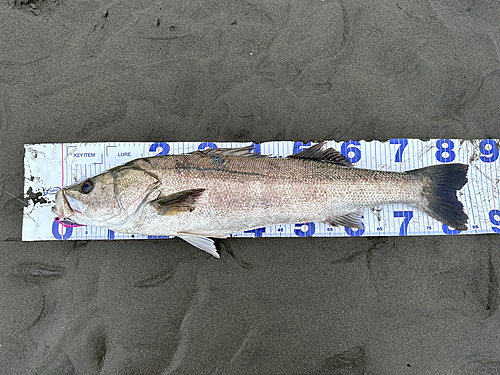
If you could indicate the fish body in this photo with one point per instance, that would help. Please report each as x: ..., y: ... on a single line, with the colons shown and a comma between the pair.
x: 215, y: 192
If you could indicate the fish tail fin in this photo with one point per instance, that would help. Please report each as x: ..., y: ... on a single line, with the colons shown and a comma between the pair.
x: 441, y: 183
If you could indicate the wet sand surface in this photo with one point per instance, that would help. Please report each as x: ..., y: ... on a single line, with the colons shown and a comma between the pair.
x: 85, y: 71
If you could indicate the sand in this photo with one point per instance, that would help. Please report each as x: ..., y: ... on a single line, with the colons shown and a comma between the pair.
x: 84, y: 71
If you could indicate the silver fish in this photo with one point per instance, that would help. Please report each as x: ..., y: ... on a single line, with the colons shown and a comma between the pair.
x: 215, y: 192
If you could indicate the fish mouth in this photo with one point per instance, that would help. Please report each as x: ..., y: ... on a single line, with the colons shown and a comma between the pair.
x: 67, y: 222
x: 75, y: 205
x: 66, y: 207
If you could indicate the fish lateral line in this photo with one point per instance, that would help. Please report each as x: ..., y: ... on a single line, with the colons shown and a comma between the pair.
x: 192, y: 168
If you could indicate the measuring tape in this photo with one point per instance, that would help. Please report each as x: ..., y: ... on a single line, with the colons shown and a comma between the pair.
x: 48, y: 167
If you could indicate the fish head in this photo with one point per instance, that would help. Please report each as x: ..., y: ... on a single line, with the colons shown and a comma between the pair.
x: 112, y: 199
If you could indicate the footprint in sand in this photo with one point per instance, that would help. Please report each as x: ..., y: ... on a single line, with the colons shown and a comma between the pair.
x: 469, y: 291
x: 349, y: 362
x: 479, y: 367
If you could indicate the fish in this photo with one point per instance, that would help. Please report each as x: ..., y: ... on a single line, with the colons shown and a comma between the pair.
x: 211, y: 193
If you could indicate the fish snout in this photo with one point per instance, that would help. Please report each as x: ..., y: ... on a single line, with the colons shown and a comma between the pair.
x: 62, y: 208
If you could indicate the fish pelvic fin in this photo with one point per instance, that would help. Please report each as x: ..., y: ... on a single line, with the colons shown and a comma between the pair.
x: 201, y: 242
x: 350, y: 220
x: 183, y: 201
x: 440, y: 186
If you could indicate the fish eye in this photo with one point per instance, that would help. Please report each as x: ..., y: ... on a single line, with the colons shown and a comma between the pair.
x: 87, y: 186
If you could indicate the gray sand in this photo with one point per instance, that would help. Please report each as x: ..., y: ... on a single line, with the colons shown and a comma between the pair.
x: 82, y: 71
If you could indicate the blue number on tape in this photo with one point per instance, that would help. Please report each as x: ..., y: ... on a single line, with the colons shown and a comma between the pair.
x: 445, y: 153
x: 205, y: 145
x: 402, y: 145
x: 489, y: 149
x: 55, y: 231
x: 301, y: 231
x: 255, y: 148
x: 403, y: 230
x: 447, y: 230
x: 350, y: 151
x: 258, y: 231
x: 355, y: 232
x: 160, y: 148
x: 157, y: 237
x: 495, y: 220
x: 111, y: 234
x: 300, y: 146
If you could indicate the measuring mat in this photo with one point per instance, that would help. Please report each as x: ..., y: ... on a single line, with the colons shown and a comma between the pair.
x: 48, y: 167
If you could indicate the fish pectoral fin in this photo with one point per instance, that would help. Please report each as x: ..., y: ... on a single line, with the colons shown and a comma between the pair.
x: 201, y: 242
x: 350, y: 220
x: 183, y: 201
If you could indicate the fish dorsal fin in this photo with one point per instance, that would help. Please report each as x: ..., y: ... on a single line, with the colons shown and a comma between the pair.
x: 240, y: 151
x: 350, y: 220
x: 183, y: 201
x: 315, y: 152
x: 201, y: 242
x: 328, y: 156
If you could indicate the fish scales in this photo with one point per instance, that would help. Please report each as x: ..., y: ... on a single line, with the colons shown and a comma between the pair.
x: 247, y: 193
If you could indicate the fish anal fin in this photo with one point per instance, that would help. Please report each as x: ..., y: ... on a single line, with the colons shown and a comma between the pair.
x: 350, y: 220
x: 201, y: 242
x: 205, y: 234
x: 329, y: 155
x: 182, y: 201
